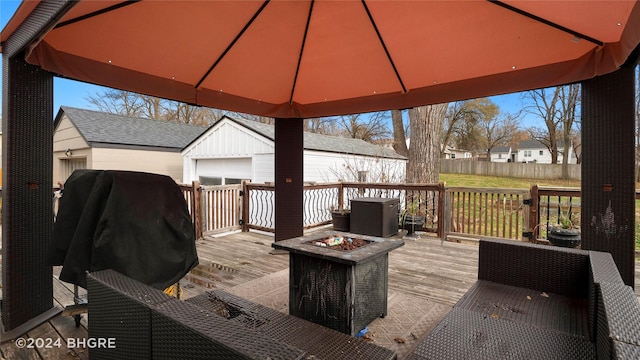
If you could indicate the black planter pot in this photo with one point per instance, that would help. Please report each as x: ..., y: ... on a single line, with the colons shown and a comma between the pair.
x: 341, y: 221
x: 564, y: 237
x: 412, y: 223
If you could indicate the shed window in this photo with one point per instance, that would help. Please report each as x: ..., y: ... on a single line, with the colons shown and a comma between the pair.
x: 206, y: 180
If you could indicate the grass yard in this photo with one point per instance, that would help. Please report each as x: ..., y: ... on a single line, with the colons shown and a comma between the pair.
x: 515, y: 183
x: 501, y: 182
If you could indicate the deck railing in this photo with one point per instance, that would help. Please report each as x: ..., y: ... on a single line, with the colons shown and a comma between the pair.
x: 453, y: 212
x: 548, y: 206
x: 449, y: 212
x: 491, y: 212
x: 319, y: 199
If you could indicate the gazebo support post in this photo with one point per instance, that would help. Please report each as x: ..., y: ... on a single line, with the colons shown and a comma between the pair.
x: 289, y: 148
x: 27, y: 208
x: 608, y: 164
x: 27, y: 162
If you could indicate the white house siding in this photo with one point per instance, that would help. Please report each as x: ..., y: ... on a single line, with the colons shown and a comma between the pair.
x: 500, y: 157
x: 328, y: 167
x: 235, y: 168
x: 263, y: 168
x: 544, y: 158
x: 228, y: 140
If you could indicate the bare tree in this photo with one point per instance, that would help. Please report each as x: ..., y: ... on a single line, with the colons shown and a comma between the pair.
x: 426, y: 124
x: 399, y: 134
x: 497, y: 131
x: 463, y: 124
x: 189, y: 114
x: 117, y: 102
x: 323, y: 125
x: 569, y: 100
x: 546, y: 107
x: 367, y: 127
x: 151, y: 107
x: 459, y: 115
x: 558, y: 108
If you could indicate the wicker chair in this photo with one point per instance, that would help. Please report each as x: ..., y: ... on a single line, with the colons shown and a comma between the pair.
x: 540, y: 302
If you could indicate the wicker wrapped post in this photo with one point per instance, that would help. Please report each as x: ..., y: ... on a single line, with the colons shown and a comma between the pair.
x: 288, y: 178
x: 608, y: 153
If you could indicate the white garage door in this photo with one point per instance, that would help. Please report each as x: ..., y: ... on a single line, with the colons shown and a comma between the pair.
x: 223, y: 171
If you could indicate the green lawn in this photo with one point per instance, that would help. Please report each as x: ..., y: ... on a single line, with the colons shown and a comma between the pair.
x: 516, y: 183
x: 501, y: 182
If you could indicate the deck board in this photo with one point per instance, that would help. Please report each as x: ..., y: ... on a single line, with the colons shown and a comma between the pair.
x: 424, y: 271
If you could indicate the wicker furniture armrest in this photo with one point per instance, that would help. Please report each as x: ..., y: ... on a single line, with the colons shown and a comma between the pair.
x: 120, y: 308
x: 618, y: 321
x: 318, y: 342
x: 185, y: 331
x: 602, y: 269
x: 146, y: 324
x: 561, y: 271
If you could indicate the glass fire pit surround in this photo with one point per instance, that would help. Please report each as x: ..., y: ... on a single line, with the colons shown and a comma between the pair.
x: 344, y: 290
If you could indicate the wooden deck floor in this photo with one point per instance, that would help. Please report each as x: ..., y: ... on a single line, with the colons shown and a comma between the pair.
x: 439, y: 272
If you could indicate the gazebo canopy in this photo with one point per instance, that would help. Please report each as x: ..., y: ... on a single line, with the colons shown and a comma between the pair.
x: 293, y: 59
x: 303, y: 59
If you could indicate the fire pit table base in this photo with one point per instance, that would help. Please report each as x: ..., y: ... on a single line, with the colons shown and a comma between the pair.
x: 342, y: 290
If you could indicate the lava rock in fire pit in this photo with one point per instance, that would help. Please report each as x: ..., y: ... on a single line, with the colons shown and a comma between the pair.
x: 338, y: 242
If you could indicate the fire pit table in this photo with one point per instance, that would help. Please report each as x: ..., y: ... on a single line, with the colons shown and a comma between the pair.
x: 338, y: 279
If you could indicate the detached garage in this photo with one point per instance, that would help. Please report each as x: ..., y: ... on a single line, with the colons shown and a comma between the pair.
x: 88, y: 139
x: 234, y: 149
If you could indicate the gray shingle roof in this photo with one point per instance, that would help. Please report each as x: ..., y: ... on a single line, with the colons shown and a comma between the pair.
x: 103, y: 128
x: 327, y: 143
x: 501, y: 149
x: 530, y: 144
x: 535, y: 144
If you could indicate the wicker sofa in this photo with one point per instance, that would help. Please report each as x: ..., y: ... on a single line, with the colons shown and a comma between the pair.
x: 145, y: 323
x: 539, y: 302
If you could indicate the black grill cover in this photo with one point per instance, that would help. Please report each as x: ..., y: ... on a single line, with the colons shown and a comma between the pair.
x: 135, y: 223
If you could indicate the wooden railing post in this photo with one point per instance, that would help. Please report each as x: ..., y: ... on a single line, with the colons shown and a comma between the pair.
x: 441, y: 207
x: 196, y: 208
x: 244, y: 219
x: 340, y: 196
x: 533, y: 217
x: 447, y: 211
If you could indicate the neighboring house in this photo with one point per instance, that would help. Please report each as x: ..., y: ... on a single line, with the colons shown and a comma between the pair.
x: 233, y: 149
x: 453, y: 153
x: 535, y: 151
x: 88, y: 139
x: 503, y: 154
